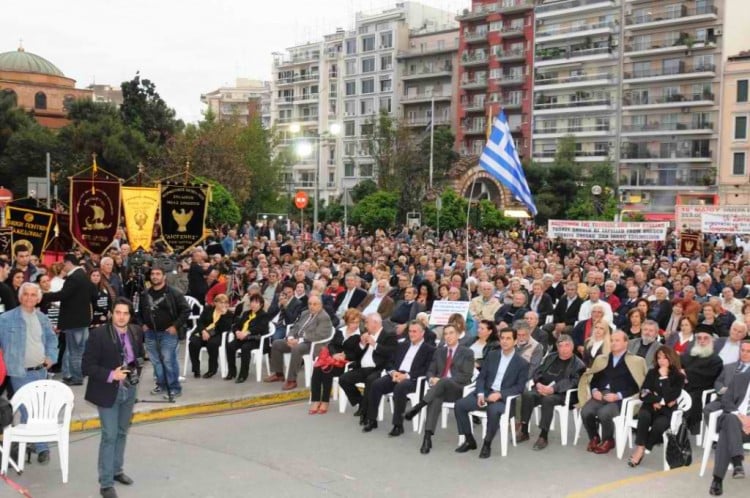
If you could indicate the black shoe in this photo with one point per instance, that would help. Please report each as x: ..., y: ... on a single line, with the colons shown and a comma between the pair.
x: 396, y: 431
x: 485, y: 451
x: 360, y: 412
x: 208, y: 375
x: 43, y: 457
x: 362, y: 419
x: 196, y: 375
x: 72, y: 382
x: 412, y: 413
x: 737, y: 473
x: 716, y: 488
x: 426, y: 444
x: 240, y: 379
x: 468, y: 445
x: 123, y: 479
x: 108, y: 492
x: 370, y: 425
x: 229, y: 376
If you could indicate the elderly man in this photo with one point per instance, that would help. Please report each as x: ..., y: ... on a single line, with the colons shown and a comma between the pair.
x: 725, y: 379
x: 728, y: 348
x: 29, y: 345
x: 660, y: 309
x: 646, y: 345
x: 485, y: 305
x: 352, y: 297
x: 612, y: 378
x: 731, y: 303
x: 539, y: 334
x: 114, y: 280
x: 509, y: 313
x: 313, y: 325
x: 527, y: 347
x: 595, y: 299
x: 558, y: 373
x: 379, y: 302
x: 702, y: 367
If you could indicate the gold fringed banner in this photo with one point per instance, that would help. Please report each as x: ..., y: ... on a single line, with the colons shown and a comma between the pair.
x: 141, y: 204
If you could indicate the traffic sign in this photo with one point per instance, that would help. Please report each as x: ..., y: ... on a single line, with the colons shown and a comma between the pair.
x: 300, y: 199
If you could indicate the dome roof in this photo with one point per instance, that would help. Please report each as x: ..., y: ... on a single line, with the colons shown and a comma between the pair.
x: 25, y: 62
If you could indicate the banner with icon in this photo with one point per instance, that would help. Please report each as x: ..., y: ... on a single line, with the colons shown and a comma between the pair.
x: 690, y: 242
x: 182, y: 211
x: 6, y: 241
x: 140, y: 205
x: 94, y: 211
x: 31, y: 227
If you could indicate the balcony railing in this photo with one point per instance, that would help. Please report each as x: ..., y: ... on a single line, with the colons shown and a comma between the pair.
x: 547, y: 54
x: 477, y: 12
x: 475, y: 36
x: 510, y: 79
x: 656, y: 125
x: 509, y: 54
x: 682, y: 68
x: 476, y: 58
x: 571, y: 4
x: 542, y: 79
x: 574, y: 29
x: 668, y: 14
x: 665, y: 42
x: 426, y: 72
x: 425, y: 120
x: 508, y: 6
x: 426, y: 95
x: 638, y: 99
x: 473, y: 105
x: 509, y: 30
x: 428, y: 50
x: 474, y: 82
x: 297, y: 78
x: 579, y: 154
x: 541, y: 106
x: 677, y: 177
x: 570, y: 129
x: 644, y: 153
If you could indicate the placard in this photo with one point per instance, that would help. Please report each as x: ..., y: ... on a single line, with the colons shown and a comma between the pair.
x: 689, y: 216
x: 725, y: 223
x: 607, y: 230
x: 442, y: 310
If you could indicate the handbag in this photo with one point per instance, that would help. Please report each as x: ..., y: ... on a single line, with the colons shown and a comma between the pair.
x: 326, y: 362
x: 679, y: 452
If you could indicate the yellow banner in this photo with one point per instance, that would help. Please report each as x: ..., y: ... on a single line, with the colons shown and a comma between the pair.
x: 141, y: 204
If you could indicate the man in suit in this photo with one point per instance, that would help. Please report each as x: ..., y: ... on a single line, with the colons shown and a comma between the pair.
x: 734, y: 430
x: 646, y: 345
x: 660, y: 309
x: 404, y: 312
x: 728, y: 348
x: 287, y: 307
x: 379, y: 346
x: 485, y: 305
x: 621, y: 318
x: 595, y: 298
x: 378, y: 302
x: 540, y: 301
x: 509, y: 313
x: 111, y: 361
x: 450, y: 370
x: 410, y: 362
x: 313, y: 325
x: 727, y: 375
x: 612, y: 378
x: 76, y: 308
x: 352, y: 297
x: 566, y: 311
x: 504, y: 374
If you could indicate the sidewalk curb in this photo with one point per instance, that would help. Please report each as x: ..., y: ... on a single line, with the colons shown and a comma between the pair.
x: 200, y: 408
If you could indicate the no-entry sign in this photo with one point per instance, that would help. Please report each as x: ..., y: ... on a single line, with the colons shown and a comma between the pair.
x: 300, y: 199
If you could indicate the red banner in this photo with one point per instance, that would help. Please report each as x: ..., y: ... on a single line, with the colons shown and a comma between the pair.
x: 95, y: 212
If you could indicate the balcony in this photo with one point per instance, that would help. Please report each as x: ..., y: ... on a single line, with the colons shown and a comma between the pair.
x: 473, y: 105
x: 673, y: 177
x: 682, y: 71
x: 298, y: 59
x: 664, y: 125
x: 657, y: 45
x: 474, y: 130
x: 475, y: 36
x: 285, y: 100
x: 511, y: 79
x: 428, y: 72
x: 426, y: 96
x: 513, y: 6
x: 542, y: 107
x: 424, y: 121
x: 515, y: 54
x: 477, y: 12
x: 544, y: 82
x: 571, y: 7
x: 557, y: 55
x: 596, y: 156
x: 474, y: 83
x: 670, y: 15
x: 512, y: 31
x: 298, y: 78
x: 600, y: 28
x: 666, y: 152
x: 549, y: 132
x: 433, y: 49
x: 474, y: 59
x: 307, y: 98
x: 511, y: 104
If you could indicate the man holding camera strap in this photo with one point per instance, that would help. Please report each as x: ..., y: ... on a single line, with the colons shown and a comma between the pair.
x: 111, y: 362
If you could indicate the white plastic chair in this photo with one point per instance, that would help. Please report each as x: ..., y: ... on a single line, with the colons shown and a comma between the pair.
x: 343, y: 400
x: 309, y: 358
x: 196, y: 309
x: 710, y: 437
x: 684, y: 403
x: 707, y: 396
x: 618, y: 421
x: 49, y: 406
x: 507, y: 424
x: 561, y: 411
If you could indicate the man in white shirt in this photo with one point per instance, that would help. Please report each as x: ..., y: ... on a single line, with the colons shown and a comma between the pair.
x: 731, y: 303
x: 594, y: 298
x: 484, y: 306
x: 728, y: 348
x: 351, y: 297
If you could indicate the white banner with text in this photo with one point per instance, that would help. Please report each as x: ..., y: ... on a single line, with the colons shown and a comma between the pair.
x: 607, y: 230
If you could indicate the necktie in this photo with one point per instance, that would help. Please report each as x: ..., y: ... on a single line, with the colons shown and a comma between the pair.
x: 448, y: 363
x: 300, y: 332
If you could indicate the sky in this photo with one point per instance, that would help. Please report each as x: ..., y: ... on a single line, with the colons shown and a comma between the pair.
x: 186, y: 47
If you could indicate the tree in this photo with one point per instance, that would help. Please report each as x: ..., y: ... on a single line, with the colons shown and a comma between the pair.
x: 12, y: 119
x: 375, y: 211
x: 363, y: 189
x: 144, y: 109
x: 265, y: 174
x: 24, y: 155
x: 222, y: 207
x: 443, y: 154
x: 452, y: 213
x: 491, y: 218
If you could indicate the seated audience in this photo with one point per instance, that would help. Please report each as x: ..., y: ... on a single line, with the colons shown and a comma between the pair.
x: 215, y: 320
x: 247, y: 332
x: 701, y: 366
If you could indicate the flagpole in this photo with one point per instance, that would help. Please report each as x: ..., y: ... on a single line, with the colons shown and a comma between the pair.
x: 471, y: 191
x: 432, y: 137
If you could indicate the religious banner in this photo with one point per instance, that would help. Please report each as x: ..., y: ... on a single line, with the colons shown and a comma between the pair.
x: 689, y: 216
x: 95, y: 211
x: 725, y: 223
x: 607, y: 230
x: 6, y: 241
x: 183, y: 210
x: 689, y: 242
x: 140, y: 204
x: 31, y: 226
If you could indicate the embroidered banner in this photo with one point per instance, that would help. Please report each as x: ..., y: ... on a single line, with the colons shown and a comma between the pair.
x: 95, y: 212
x: 182, y: 212
x: 140, y: 205
x: 31, y: 226
x: 689, y: 242
x: 6, y: 241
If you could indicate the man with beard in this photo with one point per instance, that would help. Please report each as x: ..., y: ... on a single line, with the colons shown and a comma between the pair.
x: 646, y: 345
x: 701, y: 366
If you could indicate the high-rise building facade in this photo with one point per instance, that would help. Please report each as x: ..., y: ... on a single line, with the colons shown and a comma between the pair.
x: 243, y: 101
x: 734, y: 172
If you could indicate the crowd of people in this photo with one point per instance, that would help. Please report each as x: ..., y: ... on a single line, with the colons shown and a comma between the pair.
x: 610, y: 320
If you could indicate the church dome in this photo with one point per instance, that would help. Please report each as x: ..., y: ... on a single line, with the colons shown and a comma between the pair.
x: 25, y: 62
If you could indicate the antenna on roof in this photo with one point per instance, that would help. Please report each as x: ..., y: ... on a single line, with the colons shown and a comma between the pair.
x: 20, y: 45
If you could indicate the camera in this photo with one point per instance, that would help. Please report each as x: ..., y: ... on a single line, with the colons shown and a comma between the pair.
x: 132, y: 377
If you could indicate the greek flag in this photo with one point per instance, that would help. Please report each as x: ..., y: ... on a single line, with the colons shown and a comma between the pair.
x: 500, y: 159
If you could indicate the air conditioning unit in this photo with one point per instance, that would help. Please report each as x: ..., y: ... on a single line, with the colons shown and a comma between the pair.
x: 717, y: 32
x: 645, y: 197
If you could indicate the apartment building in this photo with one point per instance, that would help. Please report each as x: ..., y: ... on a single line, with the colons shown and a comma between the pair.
x: 246, y: 99
x: 734, y: 174
x: 495, y: 71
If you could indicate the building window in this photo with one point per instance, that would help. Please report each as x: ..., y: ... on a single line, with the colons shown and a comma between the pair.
x: 740, y: 127
x: 386, y: 40
x: 738, y: 164
x: 368, y: 86
x: 349, y: 128
x: 385, y: 104
x: 742, y: 91
x: 386, y: 63
x: 366, y: 107
x: 350, y: 88
x: 368, y: 43
x: 351, y: 46
x: 350, y: 148
x: 349, y: 169
x: 386, y: 85
x: 351, y: 67
x: 40, y: 101
x: 365, y: 130
x: 368, y: 65
x: 365, y: 170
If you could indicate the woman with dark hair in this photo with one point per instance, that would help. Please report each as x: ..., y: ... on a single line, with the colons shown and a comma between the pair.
x: 482, y: 344
x: 105, y: 296
x: 635, y: 320
x: 215, y: 319
x: 247, y: 332
x: 659, y: 394
x: 14, y: 281
x: 425, y: 295
x: 684, y: 339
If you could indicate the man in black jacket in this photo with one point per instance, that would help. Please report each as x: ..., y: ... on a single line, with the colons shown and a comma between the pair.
x: 111, y: 362
x: 565, y: 314
x: 7, y: 300
x: 76, y: 308
x: 411, y: 361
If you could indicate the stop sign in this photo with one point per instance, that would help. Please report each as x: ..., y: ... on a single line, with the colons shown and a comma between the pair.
x: 300, y: 199
x: 5, y: 196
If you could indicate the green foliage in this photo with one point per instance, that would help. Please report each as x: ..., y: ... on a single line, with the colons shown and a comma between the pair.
x: 491, y: 218
x: 363, y: 189
x: 265, y: 174
x: 24, y: 155
x: 12, y: 119
x: 375, y: 211
x: 452, y: 214
x: 222, y: 208
x: 145, y: 110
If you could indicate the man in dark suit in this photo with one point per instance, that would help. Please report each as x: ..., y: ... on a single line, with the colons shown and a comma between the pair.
x: 404, y: 312
x: 727, y: 375
x: 450, y: 370
x: 379, y: 302
x: 504, y: 374
x: 565, y: 313
x: 646, y: 345
x: 352, y: 297
x: 76, y: 297
x: 111, y: 361
x: 379, y: 346
x: 410, y: 362
x: 287, y: 307
x: 660, y: 309
x: 627, y: 304
x: 509, y: 313
x: 734, y: 430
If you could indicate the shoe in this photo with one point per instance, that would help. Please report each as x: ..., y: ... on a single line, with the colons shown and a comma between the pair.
x: 312, y: 411
x: 396, y: 431
x: 208, y: 375
x: 108, y: 492
x: 155, y: 391
x: 362, y: 419
x: 468, y: 445
x: 229, y: 376
x: 370, y: 425
x: 593, y: 443
x: 412, y: 413
x: 426, y: 444
x: 522, y: 436
x: 486, y: 451
x: 737, y: 473
x: 288, y: 385
x: 174, y: 395
x: 605, y: 447
x: 240, y: 379
x: 716, y: 488
x: 72, y: 382
x: 196, y: 375
x: 123, y: 479
x: 540, y: 444
x: 323, y: 410
x: 43, y: 457
x: 632, y: 463
x: 274, y: 378
x: 359, y: 411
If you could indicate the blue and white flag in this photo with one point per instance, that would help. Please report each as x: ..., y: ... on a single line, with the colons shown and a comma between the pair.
x: 501, y: 160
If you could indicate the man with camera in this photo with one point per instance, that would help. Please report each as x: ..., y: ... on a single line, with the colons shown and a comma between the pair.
x: 111, y: 362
